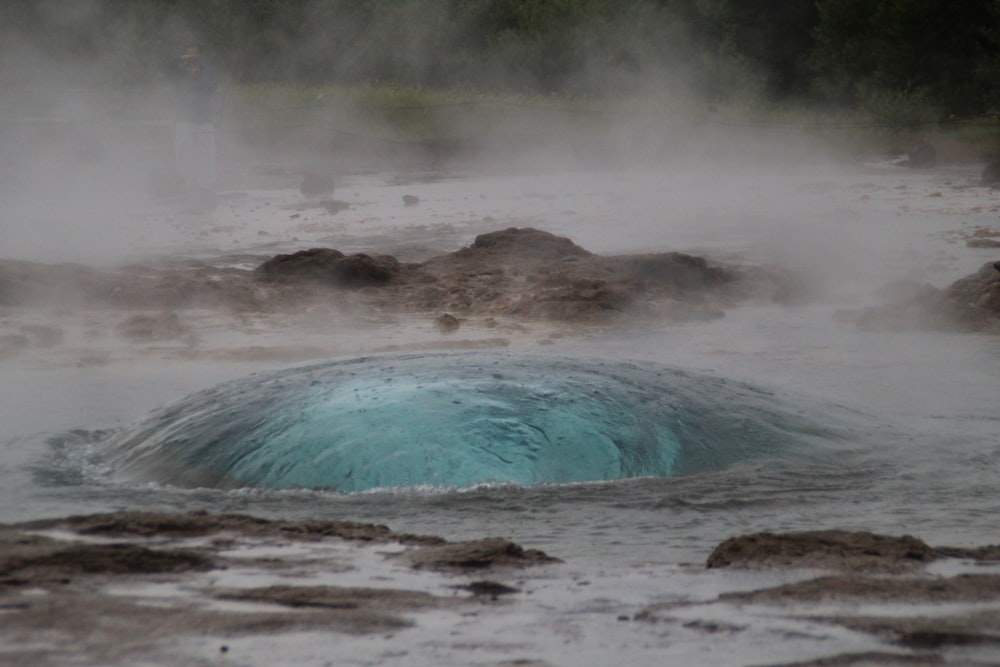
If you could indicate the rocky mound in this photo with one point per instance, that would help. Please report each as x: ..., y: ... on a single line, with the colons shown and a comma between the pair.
x: 523, y: 273
x: 878, y: 585
x: 478, y: 554
x: 520, y: 245
x: 838, y: 550
x: 331, y: 267
x: 534, y: 274
x: 829, y: 549
x: 970, y: 304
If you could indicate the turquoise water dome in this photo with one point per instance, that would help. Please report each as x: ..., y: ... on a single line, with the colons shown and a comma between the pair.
x: 456, y: 420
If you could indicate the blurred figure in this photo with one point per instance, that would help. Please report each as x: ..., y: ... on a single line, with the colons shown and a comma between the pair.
x: 198, y: 111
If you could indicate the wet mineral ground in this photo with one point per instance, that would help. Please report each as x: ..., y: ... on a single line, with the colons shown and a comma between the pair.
x: 123, y: 587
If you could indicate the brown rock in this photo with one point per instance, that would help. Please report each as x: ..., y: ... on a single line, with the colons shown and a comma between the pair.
x: 970, y: 304
x: 360, y: 270
x: 329, y: 266
x: 191, y: 524
x: 677, y: 269
x: 827, y: 549
x: 51, y: 559
x: 933, y: 632
x: 446, y: 323
x: 336, y: 597
x: 528, y: 242
x: 982, y: 243
x: 972, y: 288
x: 871, y: 659
x: 334, y: 206
x: 492, y: 589
x: 533, y: 274
x: 880, y: 589
x: 312, y: 264
x: 525, y: 273
x: 478, y: 554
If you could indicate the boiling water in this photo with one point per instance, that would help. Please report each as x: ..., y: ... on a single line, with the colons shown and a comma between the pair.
x: 460, y: 420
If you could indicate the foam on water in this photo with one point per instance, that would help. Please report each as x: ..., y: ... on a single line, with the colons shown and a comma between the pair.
x: 456, y: 420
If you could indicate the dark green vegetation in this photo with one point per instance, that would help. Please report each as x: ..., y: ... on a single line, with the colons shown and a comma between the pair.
x: 898, y: 59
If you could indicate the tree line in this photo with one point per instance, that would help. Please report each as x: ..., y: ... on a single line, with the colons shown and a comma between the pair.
x: 940, y: 55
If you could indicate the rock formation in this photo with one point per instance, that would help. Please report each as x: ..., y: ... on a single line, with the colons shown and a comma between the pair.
x: 970, y: 304
x: 522, y: 273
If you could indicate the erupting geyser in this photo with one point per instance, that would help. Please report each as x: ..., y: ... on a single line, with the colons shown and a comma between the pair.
x: 453, y: 420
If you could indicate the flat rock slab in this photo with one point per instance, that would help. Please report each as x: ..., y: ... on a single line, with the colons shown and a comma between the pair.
x: 198, y: 524
x: 477, y: 555
x: 824, y: 549
x: 122, y: 587
x: 881, y: 589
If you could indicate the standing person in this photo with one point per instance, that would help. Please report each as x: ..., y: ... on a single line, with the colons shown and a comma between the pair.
x: 198, y: 110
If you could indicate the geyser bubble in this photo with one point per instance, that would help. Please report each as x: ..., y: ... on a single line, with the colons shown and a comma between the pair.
x: 456, y: 420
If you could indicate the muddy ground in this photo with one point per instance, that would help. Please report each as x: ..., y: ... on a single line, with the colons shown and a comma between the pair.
x: 120, y: 587
x: 56, y: 578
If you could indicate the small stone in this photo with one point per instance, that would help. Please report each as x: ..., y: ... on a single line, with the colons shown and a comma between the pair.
x: 490, y: 588
x: 447, y: 323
